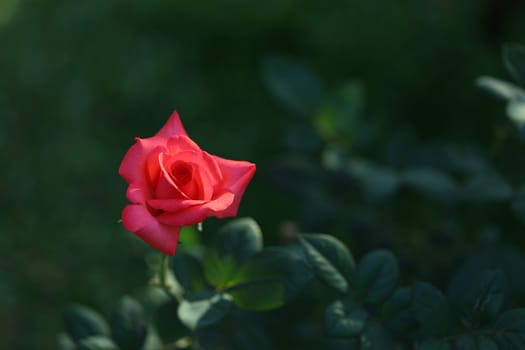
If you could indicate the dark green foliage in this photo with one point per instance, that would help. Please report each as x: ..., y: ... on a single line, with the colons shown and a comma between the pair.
x: 434, y: 344
x: 431, y: 309
x: 204, y: 310
x: 240, y: 238
x: 82, y: 322
x: 64, y: 342
x: 431, y: 182
x: 339, y: 117
x: 128, y: 324
x: 330, y: 259
x: 294, y: 84
x: 514, y: 58
x: 97, y: 343
x: 397, y: 310
x: 258, y: 285
x: 509, y: 330
x: 344, y: 318
x: 434, y: 208
x: 188, y: 271
x: 375, y: 337
x: 376, y: 276
x: 363, y: 307
x: 482, y: 299
x: 487, y: 188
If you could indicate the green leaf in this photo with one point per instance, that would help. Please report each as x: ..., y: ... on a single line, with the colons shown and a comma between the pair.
x: 339, y: 117
x: 500, y: 88
x: 97, y: 342
x: 431, y: 182
x: 518, y: 204
x: 379, y: 183
x: 204, y: 310
x: 469, y: 342
x: 514, y: 58
x: 375, y: 337
x: 153, y: 341
x: 257, y: 285
x: 252, y: 337
x: 151, y: 298
x: 82, y: 322
x: 465, y: 342
x: 330, y: 259
x: 240, y: 238
x: 397, y: 310
x: 516, y: 112
x: 485, y: 343
x: 189, y: 237
x: 219, y: 270
x: 487, y: 187
x: 509, y: 330
x: 290, y: 264
x: 343, y: 318
x: 64, y: 342
x: 434, y: 344
x: 128, y: 324
x: 431, y: 309
x: 483, y: 299
x: 168, y: 324
x: 188, y: 271
x: 376, y: 276
x: 270, y: 278
x: 293, y: 84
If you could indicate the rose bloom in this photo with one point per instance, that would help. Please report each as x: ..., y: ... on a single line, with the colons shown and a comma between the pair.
x: 173, y: 183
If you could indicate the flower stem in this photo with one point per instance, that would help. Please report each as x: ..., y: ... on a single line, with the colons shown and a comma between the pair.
x: 163, y: 272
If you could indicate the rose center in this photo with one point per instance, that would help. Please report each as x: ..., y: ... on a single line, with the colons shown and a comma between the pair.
x: 181, y: 172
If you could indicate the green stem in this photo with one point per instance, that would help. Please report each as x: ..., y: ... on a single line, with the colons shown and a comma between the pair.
x: 163, y: 272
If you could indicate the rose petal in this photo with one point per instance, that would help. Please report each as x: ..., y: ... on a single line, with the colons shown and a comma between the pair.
x: 137, y: 219
x: 173, y: 205
x: 166, y: 188
x: 181, y: 143
x: 132, y: 166
x: 194, y: 215
x: 137, y: 192
x: 172, y: 127
x: 201, y: 185
x: 236, y: 177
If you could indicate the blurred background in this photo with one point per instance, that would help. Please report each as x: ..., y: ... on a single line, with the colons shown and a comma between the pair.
x: 80, y: 79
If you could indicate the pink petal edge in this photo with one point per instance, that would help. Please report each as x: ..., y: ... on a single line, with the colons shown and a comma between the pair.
x: 172, y: 127
x: 137, y: 219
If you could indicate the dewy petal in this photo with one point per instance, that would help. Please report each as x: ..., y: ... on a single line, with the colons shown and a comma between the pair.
x: 172, y: 127
x: 236, y: 177
x: 195, y: 214
x: 137, y: 219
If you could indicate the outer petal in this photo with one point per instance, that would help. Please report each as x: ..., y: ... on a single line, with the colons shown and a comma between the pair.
x: 172, y: 127
x: 132, y: 168
x: 137, y: 219
x: 195, y: 214
x: 236, y: 177
x: 137, y: 193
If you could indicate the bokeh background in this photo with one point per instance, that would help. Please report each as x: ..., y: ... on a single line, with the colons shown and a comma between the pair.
x: 80, y: 79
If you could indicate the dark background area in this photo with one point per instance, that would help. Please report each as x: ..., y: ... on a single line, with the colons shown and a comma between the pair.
x: 80, y: 79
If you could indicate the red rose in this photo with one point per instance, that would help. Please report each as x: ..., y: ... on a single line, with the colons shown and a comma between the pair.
x: 173, y: 183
